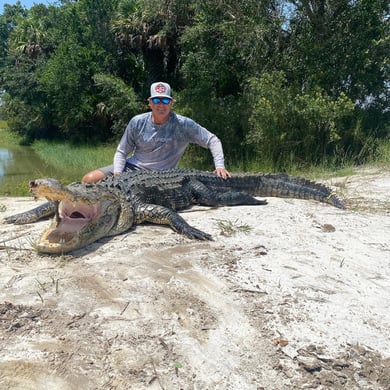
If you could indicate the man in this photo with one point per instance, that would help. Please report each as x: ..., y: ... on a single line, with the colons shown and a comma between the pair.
x: 158, y: 139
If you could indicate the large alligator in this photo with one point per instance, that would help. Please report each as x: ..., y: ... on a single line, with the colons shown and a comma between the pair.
x: 84, y: 213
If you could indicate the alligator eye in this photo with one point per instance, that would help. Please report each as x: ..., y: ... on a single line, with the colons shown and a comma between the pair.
x: 76, y: 214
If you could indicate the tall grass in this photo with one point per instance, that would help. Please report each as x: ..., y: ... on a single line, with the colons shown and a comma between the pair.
x: 74, y: 160
x: 7, y: 137
x: 383, y: 154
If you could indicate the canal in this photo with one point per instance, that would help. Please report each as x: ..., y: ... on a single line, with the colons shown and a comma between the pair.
x: 18, y: 166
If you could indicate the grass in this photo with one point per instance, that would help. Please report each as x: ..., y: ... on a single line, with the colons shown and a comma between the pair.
x: 75, y: 160
x: 7, y: 137
x: 383, y: 157
x: 70, y: 161
x: 230, y: 228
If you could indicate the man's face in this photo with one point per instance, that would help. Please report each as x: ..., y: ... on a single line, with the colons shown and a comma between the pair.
x: 161, y: 107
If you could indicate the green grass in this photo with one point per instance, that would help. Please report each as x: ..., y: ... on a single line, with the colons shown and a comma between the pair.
x: 383, y: 157
x: 7, y: 137
x: 230, y: 228
x: 74, y: 160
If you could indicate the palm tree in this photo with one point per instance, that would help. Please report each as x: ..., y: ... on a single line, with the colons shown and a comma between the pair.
x: 30, y: 38
x: 152, y: 29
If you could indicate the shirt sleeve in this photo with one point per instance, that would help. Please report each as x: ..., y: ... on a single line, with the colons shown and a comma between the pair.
x: 124, y: 148
x: 216, y: 150
x: 207, y: 139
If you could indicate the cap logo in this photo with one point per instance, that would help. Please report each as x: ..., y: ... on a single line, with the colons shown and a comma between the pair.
x: 160, y: 88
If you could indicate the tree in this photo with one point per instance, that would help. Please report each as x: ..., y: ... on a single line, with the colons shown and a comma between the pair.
x: 8, y: 21
x: 228, y: 42
x: 25, y: 51
x: 289, y: 125
x: 152, y: 30
x: 342, y: 46
x: 64, y: 47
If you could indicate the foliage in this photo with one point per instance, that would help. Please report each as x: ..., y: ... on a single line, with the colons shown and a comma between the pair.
x: 118, y: 101
x: 344, y: 46
x: 228, y: 41
x: 285, y: 123
x: 286, y: 82
x: 67, y: 83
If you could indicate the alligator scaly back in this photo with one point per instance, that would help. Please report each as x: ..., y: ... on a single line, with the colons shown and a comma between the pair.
x: 170, y: 186
x: 85, y: 213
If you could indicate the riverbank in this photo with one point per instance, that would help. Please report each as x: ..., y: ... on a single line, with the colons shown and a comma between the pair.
x: 299, y: 300
x: 19, y: 164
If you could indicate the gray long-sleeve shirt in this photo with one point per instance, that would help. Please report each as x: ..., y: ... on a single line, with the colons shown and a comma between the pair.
x: 161, y: 146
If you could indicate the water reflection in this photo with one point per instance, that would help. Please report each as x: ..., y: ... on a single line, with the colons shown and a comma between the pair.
x: 5, y: 157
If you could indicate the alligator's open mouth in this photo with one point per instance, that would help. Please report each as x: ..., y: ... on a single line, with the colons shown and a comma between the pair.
x: 73, y: 216
x: 83, y: 214
x: 71, y: 219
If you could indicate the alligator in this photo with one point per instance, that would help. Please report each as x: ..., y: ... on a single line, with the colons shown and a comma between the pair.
x: 83, y: 213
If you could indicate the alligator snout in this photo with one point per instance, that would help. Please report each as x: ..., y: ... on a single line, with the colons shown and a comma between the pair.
x: 33, y: 187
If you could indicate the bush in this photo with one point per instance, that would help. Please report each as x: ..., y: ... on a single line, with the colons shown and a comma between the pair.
x: 285, y: 123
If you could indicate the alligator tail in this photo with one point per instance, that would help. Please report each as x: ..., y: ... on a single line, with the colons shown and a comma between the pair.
x: 284, y: 186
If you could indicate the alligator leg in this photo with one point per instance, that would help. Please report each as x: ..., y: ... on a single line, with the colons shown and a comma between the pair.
x: 206, y: 197
x: 43, y: 211
x: 163, y: 216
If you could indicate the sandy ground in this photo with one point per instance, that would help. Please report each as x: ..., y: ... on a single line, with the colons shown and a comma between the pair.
x: 292, y: 295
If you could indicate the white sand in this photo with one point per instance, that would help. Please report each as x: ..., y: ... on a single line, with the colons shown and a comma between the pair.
x: 302, y: 300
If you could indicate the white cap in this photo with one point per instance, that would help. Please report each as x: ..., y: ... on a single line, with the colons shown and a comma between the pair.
x: 160, y: 89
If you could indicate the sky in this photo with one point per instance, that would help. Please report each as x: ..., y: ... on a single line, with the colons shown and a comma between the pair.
x: 25, y: 3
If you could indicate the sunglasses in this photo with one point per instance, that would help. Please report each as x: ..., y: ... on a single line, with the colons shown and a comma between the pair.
x: 157, y: 100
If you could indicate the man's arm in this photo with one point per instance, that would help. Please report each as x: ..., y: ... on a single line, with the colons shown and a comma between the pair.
x: 122, y: 151
x: 216, y: 150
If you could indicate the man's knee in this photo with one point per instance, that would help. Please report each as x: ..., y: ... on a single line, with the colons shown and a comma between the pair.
x: 93, y: 176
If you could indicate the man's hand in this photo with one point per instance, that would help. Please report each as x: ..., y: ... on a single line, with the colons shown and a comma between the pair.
x: 222, y: 172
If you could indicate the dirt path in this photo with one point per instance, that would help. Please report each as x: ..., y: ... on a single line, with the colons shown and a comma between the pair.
x: 297, y: 298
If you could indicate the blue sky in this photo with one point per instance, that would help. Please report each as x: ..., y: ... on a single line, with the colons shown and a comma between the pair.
x: 26, y: 3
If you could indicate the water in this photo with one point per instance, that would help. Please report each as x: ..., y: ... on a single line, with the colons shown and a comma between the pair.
x: 18, y: 166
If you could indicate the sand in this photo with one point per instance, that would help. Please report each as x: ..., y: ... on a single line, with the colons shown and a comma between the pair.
x: 291, y: 295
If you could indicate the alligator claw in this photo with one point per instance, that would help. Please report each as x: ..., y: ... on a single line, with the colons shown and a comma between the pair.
x: 196, y: 234
x: 11, y: 219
